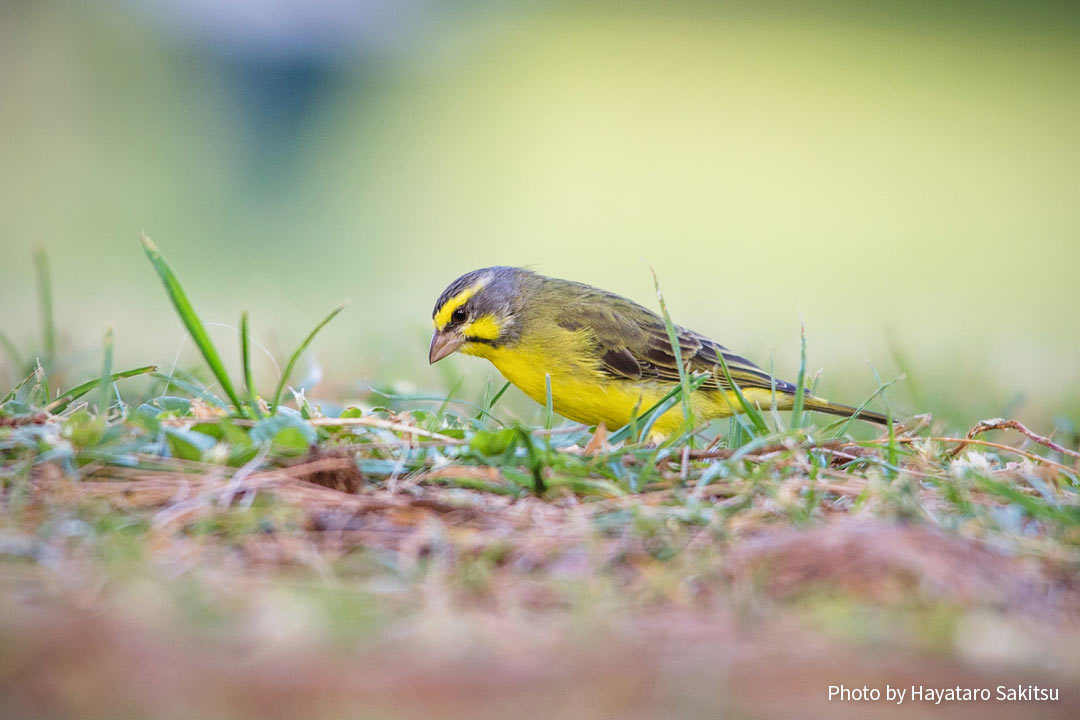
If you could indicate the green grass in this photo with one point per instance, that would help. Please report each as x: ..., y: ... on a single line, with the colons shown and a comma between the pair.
x: 394, y: 501
x: 673, y: 337
x: 627, y: 461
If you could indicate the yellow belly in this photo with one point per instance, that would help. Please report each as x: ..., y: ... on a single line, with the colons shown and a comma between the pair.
x: 583, y: 394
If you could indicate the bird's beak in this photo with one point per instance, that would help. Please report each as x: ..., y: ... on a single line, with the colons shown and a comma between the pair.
x: 444, y: 343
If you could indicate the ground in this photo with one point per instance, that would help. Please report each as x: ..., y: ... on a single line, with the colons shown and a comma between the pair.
x: 172, y: 551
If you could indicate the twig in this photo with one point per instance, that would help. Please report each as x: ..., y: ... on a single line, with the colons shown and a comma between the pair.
x: 997, y: 446
x: 871, y: 459
x: 329, y: 464
x: 725, y: 453
x: 386, y: 425
x: 1003, y: 424
x: 464, y: 472
x: 598, y: 443
x: 39, y: 418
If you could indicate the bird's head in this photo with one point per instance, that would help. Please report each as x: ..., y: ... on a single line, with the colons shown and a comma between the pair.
x: 477, y: 312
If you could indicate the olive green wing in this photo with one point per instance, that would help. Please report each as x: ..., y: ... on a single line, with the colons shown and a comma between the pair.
x: 700, y: 354
x: 632, y: 343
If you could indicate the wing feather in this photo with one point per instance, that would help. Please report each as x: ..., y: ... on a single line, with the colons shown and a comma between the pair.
x: 631, y: 343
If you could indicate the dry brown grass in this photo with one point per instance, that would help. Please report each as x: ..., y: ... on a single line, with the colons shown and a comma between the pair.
x: 460, y: 602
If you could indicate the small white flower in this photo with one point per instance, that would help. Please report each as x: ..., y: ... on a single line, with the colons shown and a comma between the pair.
x: 219, y: 454
x: 972, y: 463
x: 924, y: 448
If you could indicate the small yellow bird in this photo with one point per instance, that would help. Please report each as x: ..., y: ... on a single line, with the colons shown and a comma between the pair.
x: 608, y: 357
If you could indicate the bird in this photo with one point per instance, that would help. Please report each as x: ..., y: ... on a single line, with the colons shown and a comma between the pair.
x: 608, y: 358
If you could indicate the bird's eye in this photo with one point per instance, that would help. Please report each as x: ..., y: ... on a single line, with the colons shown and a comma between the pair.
x: 459, y: 315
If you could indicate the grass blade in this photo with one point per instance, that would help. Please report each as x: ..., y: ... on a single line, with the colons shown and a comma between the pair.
x: 68, y: 397
x: 892, y: 452
x: 631, y: 427
x: 777, y: 420
x: 106, y: 374
x: 191, y: 320
x: 45, y: 300
x: 486, y: 411
x: 446, y: 401
x: 549, y: 405
x: 18, y: 386
x: 300, y: 351
x: 498, y: 395
x: 673, y: 338
x: 751, y: 411
x: 536, y: 462
x: 42, y: 385
x: 862, y: 406
x: 189, y: 386
x: 657, y: 413
x: 245, y: 356
x: 913, y: 386
x: 800, y: 382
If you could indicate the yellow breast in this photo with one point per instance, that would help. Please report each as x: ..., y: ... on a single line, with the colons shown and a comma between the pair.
x: 581, y: 392
x: 578, y: 391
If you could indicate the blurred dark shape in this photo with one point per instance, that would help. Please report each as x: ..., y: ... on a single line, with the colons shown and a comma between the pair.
x: 277, y: 99
x: 280, y: 59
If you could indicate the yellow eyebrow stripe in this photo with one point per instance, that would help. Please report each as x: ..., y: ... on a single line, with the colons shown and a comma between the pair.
x: 442, y: 317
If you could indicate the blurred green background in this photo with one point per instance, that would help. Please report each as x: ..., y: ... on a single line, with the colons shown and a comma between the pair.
x: 903, y: 176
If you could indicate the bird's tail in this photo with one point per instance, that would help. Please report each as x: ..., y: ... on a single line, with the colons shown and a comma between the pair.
x: 824, y: 406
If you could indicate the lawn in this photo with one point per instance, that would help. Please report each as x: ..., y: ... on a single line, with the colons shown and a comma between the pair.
x: 175, y: 543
